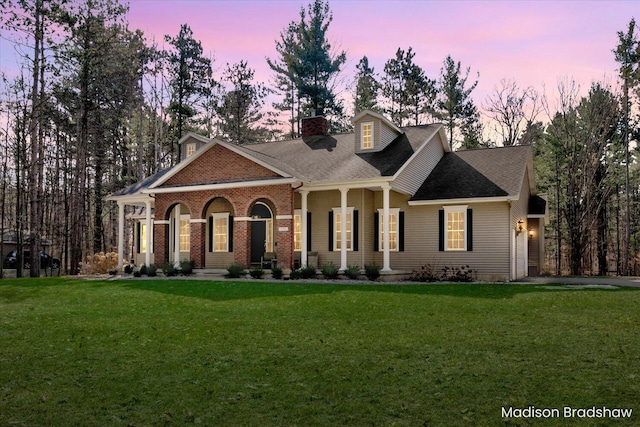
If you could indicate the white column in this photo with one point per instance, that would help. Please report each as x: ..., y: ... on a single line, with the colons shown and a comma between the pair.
x: 343, y: 228
x: 120, y: 235
x: 147, y: 255
x: 385, y: 228
x: 303, y: 249
x: 176, y: 242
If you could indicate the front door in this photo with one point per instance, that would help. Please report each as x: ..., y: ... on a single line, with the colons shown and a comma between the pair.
x: 258, y: 240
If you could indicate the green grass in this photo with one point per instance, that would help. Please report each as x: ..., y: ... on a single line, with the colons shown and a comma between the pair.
x: 175, y: 352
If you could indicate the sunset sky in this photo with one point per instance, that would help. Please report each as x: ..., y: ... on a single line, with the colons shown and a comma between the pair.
x: 531, y: 42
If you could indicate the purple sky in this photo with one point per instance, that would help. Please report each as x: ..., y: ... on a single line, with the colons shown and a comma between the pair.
x: 531, y: 42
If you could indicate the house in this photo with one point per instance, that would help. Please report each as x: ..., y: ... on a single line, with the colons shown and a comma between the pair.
x: 397, y: 197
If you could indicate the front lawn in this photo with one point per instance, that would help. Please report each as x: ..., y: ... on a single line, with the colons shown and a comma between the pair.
x: 160, y: 352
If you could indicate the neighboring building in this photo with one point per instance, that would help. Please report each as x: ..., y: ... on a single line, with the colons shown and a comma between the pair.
x: 382, y: 194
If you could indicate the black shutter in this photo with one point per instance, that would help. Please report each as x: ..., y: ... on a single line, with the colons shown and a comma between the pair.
x: 355, y: 233
x: 376, y: 232
x: 401, y: 231
x: 138, y: 233
x: 330, y: 231
x: 210, y: 234
x: 441, y: 230
x: 470, y: 229
x: 230, y: 233
x: 308, y: 231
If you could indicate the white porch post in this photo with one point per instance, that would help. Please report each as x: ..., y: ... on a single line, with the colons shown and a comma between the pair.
x: 303, y: 249
x: 176, y: 239
x: 120, y: 235
x: 343, y: 228
x: 147, y: 255
x: 385, y: 228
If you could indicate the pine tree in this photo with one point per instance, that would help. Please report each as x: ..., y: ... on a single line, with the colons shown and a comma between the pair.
x: 367, y: 87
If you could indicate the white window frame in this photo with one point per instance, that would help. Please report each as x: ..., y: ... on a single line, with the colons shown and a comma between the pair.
x: 187, y: 245
x: 369, y: 146
x: 143, y: 238
x: 393, y: 212
x: 460, y: 209
x: 191, y: 149
x: 225, y: 217
x: 297, y: 230
x: 336, y: 229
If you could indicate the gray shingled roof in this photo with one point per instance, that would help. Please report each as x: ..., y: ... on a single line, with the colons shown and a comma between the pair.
x: 495, y: 172
x: 136, y: 188
x: 333, y: 157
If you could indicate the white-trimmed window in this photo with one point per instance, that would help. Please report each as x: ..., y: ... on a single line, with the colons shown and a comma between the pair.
x: 297, y: 230
x: 191, y: 148
x: 394, y: 220
x: 185, y: 233
x: 337, y: 229
x: 220, y: 232
x: 366, y: 135
x: 143, y: 238
x: 455, y: 232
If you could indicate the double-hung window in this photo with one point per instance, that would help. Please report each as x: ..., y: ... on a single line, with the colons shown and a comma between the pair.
x: 337, y: 229
x: 394, y: 235
x: 221, y: 232
x: 185, y: 233
x: 456, y: 224
x: 366, y: 136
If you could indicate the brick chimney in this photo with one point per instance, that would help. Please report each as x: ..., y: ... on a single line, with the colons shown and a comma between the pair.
x: 316, y: 125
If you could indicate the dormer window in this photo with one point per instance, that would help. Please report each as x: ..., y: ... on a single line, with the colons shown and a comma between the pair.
x: 366, y: 136
x: 191, y: 148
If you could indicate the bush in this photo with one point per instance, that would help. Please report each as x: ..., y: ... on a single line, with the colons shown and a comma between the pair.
x: 113, y: 271
x: 295, y: 274
x: 235, y: 271
x: 169, y: 269
x: 187, y: 267
x: 426, y: 273
x: 276, y: 273
x: 100, y: 263
x: 308, y: 272
x: 372, y: 271
x: 352, y: 272
x: 462, y: 274
x: 152, y: 270
x: 330, y: 271
x: 143, y: 270
x: 137, y: 273
x: 256, y: 273
x: 128, y: 269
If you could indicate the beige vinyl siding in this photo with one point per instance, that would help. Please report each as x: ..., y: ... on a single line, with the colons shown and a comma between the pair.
x: 415, y: 172
x: 139, y: 259
x: 387, y: 135
x: 319, y: 204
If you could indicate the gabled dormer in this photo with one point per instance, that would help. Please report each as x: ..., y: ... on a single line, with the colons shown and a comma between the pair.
x: 373, y: 132
x: 190, y: 143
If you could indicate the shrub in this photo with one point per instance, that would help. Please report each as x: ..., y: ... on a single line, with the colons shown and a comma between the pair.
x: 352, y: 272
x: 276, y: 273
x: 308, y: 272
x: 372, y: 271
x: 143, y: 270
x: 330, y: 271
x: 169, y: 269
x: 100, y: 263
x: 256, y: 273
x: 295, y: 274
x: 137, y: 273
x: 152, y: 270
x: 113, y: 271
x: 455, y: 274
x: 187, y: 267
x: 128, y: 269
x: 235, y: 271
x: 426, y: 273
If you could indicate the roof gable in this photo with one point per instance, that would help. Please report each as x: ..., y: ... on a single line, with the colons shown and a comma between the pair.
x: 453, y: 178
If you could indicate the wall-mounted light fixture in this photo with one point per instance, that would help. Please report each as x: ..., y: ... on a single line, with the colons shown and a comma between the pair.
x: 531, y: 233
x: 520, y: 226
